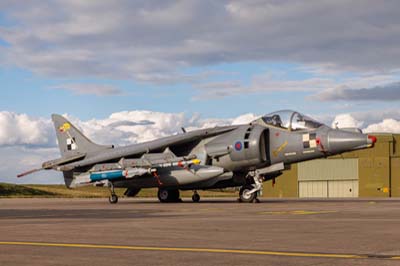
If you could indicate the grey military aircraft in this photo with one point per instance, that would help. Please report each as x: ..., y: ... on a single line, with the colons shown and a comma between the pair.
x: 230, y: 156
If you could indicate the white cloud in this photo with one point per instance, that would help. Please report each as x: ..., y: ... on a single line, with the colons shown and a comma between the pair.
x: 129, y: 127
x: 121, y: 128
x: 20, y: 129
x: 157, y: 42
x: 345, y: 121
x: 25, y: 158
x: 153, y: 41
x: 386, y: 126
x: 244, y: 119
x: 89, y: 88
x: 367, y: 121
x: 366, y: 117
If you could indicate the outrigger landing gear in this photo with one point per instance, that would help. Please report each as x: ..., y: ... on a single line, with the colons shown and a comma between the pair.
x: 249, y: 192
x: 196, y: 196
x: 113, y: 197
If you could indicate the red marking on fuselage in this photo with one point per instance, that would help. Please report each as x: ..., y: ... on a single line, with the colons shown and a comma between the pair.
x: 319, y: 143
x: 238, y: 146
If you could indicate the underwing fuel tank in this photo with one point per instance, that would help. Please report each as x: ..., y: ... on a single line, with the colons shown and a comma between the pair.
x: 196, y: 173
x: 341, y: 141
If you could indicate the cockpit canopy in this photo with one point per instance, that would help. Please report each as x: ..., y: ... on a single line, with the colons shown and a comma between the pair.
x: 290, y: 120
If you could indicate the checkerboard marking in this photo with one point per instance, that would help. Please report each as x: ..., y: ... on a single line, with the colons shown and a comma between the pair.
x: 309, y: 140
x: 71, y: 144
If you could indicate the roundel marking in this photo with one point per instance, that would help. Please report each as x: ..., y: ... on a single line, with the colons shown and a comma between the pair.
x: 238, y: 145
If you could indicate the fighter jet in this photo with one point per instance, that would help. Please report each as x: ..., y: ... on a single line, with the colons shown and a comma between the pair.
x: 221, y: 157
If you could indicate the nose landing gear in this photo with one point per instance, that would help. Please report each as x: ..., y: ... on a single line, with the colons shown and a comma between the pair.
x: 245, y: 194
x: 249, y: 192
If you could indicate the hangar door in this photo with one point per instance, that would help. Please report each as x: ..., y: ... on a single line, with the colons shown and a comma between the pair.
x: 328, y: 178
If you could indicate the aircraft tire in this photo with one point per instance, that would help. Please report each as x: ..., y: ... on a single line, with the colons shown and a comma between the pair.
x: 113, y: 199
x: 175, y: 196
x: 196, y: 197
x: 168, y: 195
x: 246, y: 197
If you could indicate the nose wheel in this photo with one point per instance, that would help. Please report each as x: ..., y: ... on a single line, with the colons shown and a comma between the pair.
x: 249, y: 192
x: 246, y: 194
x: 195, y: 197
x: 113, y: 199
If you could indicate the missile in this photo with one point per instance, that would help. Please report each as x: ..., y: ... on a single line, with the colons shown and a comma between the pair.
x: 180, y: 163
x: 159, y: 163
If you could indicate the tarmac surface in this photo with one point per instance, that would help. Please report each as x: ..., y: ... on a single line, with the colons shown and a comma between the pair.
x: 212, y: 232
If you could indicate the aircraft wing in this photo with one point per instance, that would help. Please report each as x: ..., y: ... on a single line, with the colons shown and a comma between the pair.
x: 135, y: 151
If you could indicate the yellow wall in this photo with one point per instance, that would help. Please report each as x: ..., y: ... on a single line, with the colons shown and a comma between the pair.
x: 395, y: 176
x: 285, y: 185
x: 374, y: 177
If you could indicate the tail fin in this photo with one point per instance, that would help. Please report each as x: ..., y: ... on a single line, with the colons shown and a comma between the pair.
x: 71, y: 141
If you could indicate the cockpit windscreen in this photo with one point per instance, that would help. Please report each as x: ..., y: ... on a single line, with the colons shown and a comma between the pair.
x: 290, y: 120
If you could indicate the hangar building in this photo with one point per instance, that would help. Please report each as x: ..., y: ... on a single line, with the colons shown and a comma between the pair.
x: 372, y: 172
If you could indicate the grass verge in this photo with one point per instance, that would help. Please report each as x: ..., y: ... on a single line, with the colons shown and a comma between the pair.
x: 60, y: 191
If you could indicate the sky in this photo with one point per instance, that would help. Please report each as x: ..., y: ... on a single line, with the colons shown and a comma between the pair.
x: 131, y: 71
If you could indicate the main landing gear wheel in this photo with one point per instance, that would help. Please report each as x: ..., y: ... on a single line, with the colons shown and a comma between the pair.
x: 196, y: 197
x: 168, y: 195
x: 244, y: 194
x: 113, y: 197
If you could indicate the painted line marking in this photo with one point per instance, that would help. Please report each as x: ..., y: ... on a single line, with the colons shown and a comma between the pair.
x: 298, y: 212
x: 280, y: 149
x: 199, y: 250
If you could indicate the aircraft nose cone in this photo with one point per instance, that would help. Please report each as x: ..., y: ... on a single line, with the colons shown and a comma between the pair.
x: 342, y: 141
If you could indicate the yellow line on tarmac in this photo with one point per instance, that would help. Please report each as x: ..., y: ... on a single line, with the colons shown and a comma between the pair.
x: 298, y: 212
x: 200, y: 250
